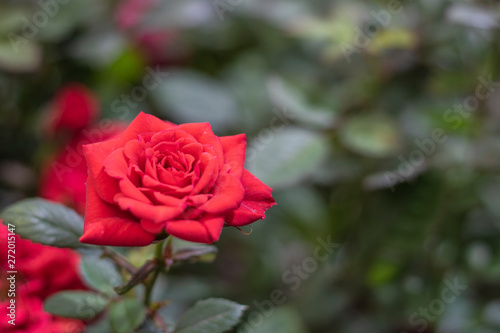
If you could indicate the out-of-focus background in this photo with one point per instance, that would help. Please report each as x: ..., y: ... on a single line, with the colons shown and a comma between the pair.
x: 376, y: 123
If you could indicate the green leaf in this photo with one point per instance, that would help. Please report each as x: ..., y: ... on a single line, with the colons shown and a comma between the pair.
x: 213, y: 315
x: 11, y: 18
x: 388, y: 39
x: 282, y: 320
x: 45, y: 222
x: 18, y: 54
x: 193, y: 97
x: 75, y: 304
x: 284, y: 97
x: 102, y: 325
x: 107, y: 48
x: 100, y: 274
x: 373, y: 136
x: 68, y: 17
x: 126, y: 315
x: 382, y: 272
x: 287, y: 156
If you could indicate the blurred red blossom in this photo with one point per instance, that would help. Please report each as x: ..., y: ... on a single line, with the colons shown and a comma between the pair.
x: 74, y: 107
x: 64, y: 174
x: 41, y: 271
x: 158, y: 45
x: 131, y: 12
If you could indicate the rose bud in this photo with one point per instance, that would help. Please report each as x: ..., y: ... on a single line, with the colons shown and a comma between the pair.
x: 158, y: 177
x: 74, y: 107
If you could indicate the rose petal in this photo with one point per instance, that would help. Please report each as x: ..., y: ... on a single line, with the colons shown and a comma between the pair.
x: 131, y: 191
x: 228, y: 194
x: 167, y: 200
x: 257, y: 200
x: 151, y: 183
x: 166, y: 177
x: 157, y: 214
x: 152, y: 227
x: 207, y: 230
x: 132, y: 150
x: 172, y: 135
x: 193, y: 149
x: 150, y: 169
x: 166, y: 147
x: 96, y: 208
x: 234, y: 152
x: 116, y: 167
x: 144, y: 123
x: 106, y: 224
x: 114, y: 231
x: 95, y: 154
x: 198, y: 199
x: 115, y: 164
x: 203, y: 133
x: 208, y: 174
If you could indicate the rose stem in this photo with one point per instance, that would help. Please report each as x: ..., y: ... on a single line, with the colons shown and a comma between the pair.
x: 119, y: 260
x: 158, y: 320
x: 158, y: 266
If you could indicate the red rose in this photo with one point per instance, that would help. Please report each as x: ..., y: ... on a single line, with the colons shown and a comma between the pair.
x: 74, y: 107
x: 181, y: 179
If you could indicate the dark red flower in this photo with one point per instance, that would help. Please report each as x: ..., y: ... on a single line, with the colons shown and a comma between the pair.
x: 181, y: 179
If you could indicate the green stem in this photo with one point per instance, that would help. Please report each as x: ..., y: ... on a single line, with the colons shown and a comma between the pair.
x: 120, y: 260
x: 149, y: 288
x: 159, y: 264
x: 159, y: 251
x: 138, y: 277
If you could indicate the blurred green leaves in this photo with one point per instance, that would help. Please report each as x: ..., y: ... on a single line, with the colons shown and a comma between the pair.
x: 189, y: 96
x: 290, y: 100
x: 126, y: 315
x: 75, y: 304
x: 282, y: 320
x: 282, y: 158
x: 373, y: 136
x: 18, y: 54
x: 210, y: 316
x: 100, y: 274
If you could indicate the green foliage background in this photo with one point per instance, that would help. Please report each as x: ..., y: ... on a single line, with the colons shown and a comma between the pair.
x: 334, y: 121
